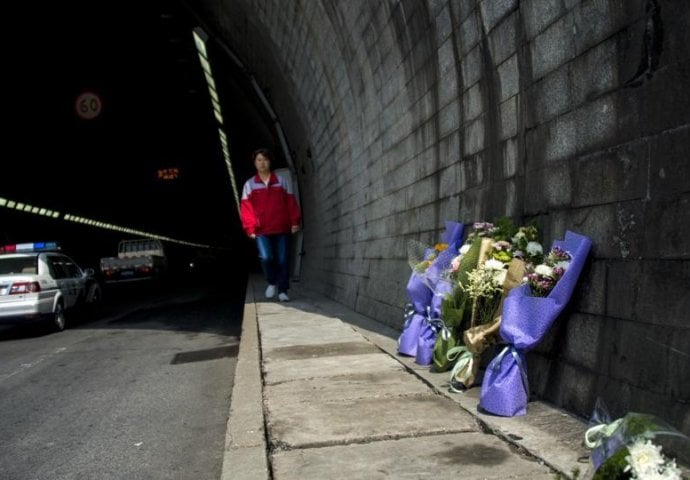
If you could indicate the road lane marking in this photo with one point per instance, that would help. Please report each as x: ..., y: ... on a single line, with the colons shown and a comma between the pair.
x: 25, y: 366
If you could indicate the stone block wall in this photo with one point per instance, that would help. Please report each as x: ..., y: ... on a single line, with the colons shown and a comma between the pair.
x: 573, y: 113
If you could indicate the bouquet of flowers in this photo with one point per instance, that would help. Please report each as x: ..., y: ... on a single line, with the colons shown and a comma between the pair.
x: 421, y: 320
x: 501, y: 254
x: 528, y: 312
x: 631, y: 447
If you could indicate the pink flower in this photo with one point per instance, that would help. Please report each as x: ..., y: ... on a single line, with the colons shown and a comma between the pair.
x: 455, y: 263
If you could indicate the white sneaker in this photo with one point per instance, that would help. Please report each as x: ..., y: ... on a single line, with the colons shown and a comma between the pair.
x: 270, y: 291
x: 282, y: 296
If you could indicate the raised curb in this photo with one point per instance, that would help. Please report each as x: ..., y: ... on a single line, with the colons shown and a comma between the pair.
x: 245, y: 456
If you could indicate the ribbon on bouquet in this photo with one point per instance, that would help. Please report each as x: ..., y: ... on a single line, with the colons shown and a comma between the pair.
x: 439, y: 326
x: 496, y: 364
x: 464, y: 368
x: 408, y: 313
x: 596, y: 435
x: 409, y: 338
x: 467, y: 357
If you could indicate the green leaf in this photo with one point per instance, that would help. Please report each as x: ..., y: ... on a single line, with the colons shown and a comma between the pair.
x: 612, y: 469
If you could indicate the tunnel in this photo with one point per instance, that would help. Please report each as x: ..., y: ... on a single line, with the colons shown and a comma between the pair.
x: 393, y: 117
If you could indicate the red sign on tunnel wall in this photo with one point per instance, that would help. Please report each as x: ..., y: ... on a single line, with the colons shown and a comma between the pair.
x: 167, y: 173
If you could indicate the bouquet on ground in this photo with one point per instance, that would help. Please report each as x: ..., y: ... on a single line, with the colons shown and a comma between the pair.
x: 427, y: 263
x: 528, y: 312
x: 453, y: 306
x: 636, y: 446
x: 493, y: 265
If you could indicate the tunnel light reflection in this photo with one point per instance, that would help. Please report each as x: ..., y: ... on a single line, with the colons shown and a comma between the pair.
x: 213, y: 94
x: 200, y: 40
x: 210, y: 81
x: 205, y: 65
x: 67, y: 217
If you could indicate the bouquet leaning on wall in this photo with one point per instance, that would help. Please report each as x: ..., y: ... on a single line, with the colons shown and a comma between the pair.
x: 433, y: 326
x: 427, y: 264
x: 454, y: 309
x: 528, y: 312
x: 456, y: 306
x: 494, y: 264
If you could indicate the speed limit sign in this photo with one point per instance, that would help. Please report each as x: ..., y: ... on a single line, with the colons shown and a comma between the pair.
x: 88, y: 105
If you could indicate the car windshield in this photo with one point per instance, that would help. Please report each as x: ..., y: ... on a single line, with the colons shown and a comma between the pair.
x: 18, y: 265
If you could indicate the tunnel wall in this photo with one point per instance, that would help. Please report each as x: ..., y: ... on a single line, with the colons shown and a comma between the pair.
x: 404, y: 114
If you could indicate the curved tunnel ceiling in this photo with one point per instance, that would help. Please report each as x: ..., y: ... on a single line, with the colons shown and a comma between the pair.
x: 156, y: 114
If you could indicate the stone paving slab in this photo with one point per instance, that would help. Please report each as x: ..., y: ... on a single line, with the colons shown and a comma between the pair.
x: 466, y: 456
x: 355, y: 385
x: 283, y: 371
x: 296, y: 424
x: 546, y: 432
x: 293, y: 332
x: 295, y: 352
x: 276, y: 311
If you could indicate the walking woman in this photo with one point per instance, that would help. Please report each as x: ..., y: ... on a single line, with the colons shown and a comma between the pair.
x: 270, y: 214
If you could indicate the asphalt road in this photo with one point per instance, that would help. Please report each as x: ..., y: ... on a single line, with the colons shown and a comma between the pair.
x: 141, y: 393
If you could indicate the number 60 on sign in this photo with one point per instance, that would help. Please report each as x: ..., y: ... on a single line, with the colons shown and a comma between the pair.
x: 88, y: 105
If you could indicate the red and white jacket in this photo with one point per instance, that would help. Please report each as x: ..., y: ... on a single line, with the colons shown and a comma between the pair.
x: 268, y: 209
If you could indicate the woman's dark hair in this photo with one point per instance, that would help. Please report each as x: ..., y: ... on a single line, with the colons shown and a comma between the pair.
x: 262, y: 151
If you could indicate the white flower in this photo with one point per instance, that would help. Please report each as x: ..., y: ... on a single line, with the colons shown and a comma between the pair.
x: 493, y: 264
x: 455, y: 263
x: 482, y: 282
x: 645, y: 458
x: 534, y: 248
x: 500, y: 276
x: 543, y: 270
x: 671, y: 471
x: 518, y: 236
x: 464, y: 249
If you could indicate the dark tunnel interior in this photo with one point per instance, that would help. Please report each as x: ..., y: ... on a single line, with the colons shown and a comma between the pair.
x: 156, y: 114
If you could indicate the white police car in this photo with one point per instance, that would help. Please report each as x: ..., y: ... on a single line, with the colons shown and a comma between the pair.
x: 37, y: 282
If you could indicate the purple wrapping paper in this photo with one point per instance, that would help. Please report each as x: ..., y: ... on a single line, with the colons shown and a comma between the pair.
x: 425, y: 344
x: 407, y: 342
x: 421, y: 295
x: 443, y: 287
x: 524, y: 322
x: 453, y: 233
x: 506, y: 379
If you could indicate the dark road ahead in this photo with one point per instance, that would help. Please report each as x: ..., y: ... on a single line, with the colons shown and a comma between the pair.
x: 142, y: 393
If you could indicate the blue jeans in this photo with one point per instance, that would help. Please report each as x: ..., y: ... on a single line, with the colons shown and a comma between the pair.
x: 274, y: 258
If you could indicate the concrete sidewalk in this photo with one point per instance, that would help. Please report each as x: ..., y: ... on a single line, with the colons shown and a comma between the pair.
x: 321, y: 392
